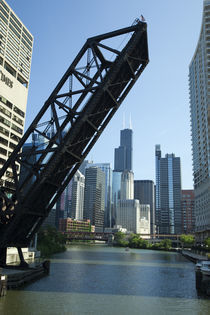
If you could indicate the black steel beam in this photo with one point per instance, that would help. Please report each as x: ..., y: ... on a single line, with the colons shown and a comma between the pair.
x: 72, y: 130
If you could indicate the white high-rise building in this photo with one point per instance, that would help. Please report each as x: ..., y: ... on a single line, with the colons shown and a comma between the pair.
x: 128, y: 209
x: 16, y: 44
x: 128, y: 215
x: 199, y: 83
x: 144, y: 220
x: 77, y: 201
x: 127, y: 185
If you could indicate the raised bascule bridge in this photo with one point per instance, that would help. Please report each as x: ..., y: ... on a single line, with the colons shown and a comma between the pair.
x: 69, y: 123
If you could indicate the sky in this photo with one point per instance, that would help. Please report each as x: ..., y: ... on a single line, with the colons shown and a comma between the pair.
x: 159, y: 101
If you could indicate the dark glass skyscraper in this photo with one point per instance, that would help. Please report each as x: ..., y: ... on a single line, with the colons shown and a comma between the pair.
x: 144, y: 192
x: 123, y: 159
x: 168, y: 193
x: 94, y: 199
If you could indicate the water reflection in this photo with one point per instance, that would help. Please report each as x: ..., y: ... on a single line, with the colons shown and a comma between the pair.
x: 104, y: 280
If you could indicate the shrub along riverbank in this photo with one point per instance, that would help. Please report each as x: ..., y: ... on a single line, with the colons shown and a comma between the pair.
x: 50, y: 241
x: 134, y: 241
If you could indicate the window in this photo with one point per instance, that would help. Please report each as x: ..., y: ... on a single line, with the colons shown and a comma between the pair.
x: 5, y: 111
x: 4, y: 121
x: 16, y: 128
x: 18, y: 120
x: 19, y: 111
x: 14, y: 137
x: 12, y: 145
x: 3, y: 141
x: 22, y: 81
x: 3, y: 151
x: 2, y: 161
x: 10, y: 69
x: 4, y: 131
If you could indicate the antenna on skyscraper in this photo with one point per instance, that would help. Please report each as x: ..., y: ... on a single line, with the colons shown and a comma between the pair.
x: 130, y: 124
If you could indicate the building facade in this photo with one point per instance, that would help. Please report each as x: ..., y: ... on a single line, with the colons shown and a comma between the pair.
x: 72, y: 225
x: 123, y: 157
x: 168, y: 193
x: 144, y: 192
x: 128, y: 215
x: 16, y: 44
x: 94, y: 198
x: 106, y: 168
x: 199, y: 85
x: 188, y: 215
x: 116, y: 194
x: 145, y: 221
x: 76, y: 198
x: 127, y: 185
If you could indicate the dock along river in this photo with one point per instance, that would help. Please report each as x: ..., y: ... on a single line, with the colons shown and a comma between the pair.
x: 98, y: 279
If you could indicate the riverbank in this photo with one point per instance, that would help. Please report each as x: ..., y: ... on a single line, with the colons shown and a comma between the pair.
x: 15, y: 277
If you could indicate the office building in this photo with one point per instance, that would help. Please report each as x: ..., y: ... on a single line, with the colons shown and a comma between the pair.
x: 168, y: 193
x: 16, y: 44
x: 127, y: 184
x: 94, y: 199
x: 116, y: 194
x: 123, y: 157
x: 72, y: 225
x: 76, y: 196
x: 128, y: 215
x: 106, y: 168
x: 144, y: 192
x: 144, y: 221
x: 199, y: 85
x: 188, y: 215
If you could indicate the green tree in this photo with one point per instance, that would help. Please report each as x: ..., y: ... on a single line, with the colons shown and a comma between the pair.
x: 134, y: 241
x: 120, y: 239
x: 50, y: 241
x: 187, y: 240
x: 165, y: 244
x: 207, y: 242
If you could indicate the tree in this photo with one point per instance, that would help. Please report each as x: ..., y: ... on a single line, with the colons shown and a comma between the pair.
x: 187, y: 240
x: 120, y: 240
x: 207, y: 242
x: 165, y: 244
x: 134, y: 241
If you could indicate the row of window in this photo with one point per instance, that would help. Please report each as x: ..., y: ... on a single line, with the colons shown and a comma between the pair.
x: 14, y: 21
x: 10, y: 105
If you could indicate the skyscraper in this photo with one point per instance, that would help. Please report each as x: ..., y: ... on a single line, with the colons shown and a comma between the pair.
x: 123, y: 158
x: 127, y: 180
x: 106, y: 168
x: 168, y: 193
x: 144, y: 192
x: 94, y: 200
x: 76, y: 203
x: 199, y: 84
x: 188, y: 215
x: 16, y: 44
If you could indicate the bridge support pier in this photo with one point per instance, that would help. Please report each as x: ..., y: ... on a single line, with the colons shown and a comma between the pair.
x: 3, y: 256
x: 23, y: 263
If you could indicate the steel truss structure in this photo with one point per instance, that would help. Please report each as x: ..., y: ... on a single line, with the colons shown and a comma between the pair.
x: 79, y: 109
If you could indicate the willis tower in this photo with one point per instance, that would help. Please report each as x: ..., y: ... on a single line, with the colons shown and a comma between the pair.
x: 124, y: 153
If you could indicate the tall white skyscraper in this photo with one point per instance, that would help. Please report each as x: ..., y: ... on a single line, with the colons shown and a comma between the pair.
x: 77, y: 196
x: 16, y: 44
x: 199, y: 84
x: 127, y: 185
x: 128, y: 209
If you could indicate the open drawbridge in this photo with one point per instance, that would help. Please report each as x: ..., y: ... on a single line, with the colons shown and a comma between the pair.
x: 77, y: 112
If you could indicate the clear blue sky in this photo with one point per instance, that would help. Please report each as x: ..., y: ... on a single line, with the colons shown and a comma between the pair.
x: 159, y: 101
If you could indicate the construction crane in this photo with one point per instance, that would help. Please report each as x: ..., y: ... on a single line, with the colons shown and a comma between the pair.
x: 79, y: 109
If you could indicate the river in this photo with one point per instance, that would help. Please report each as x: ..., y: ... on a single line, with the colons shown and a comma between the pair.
x: 97, y: 279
